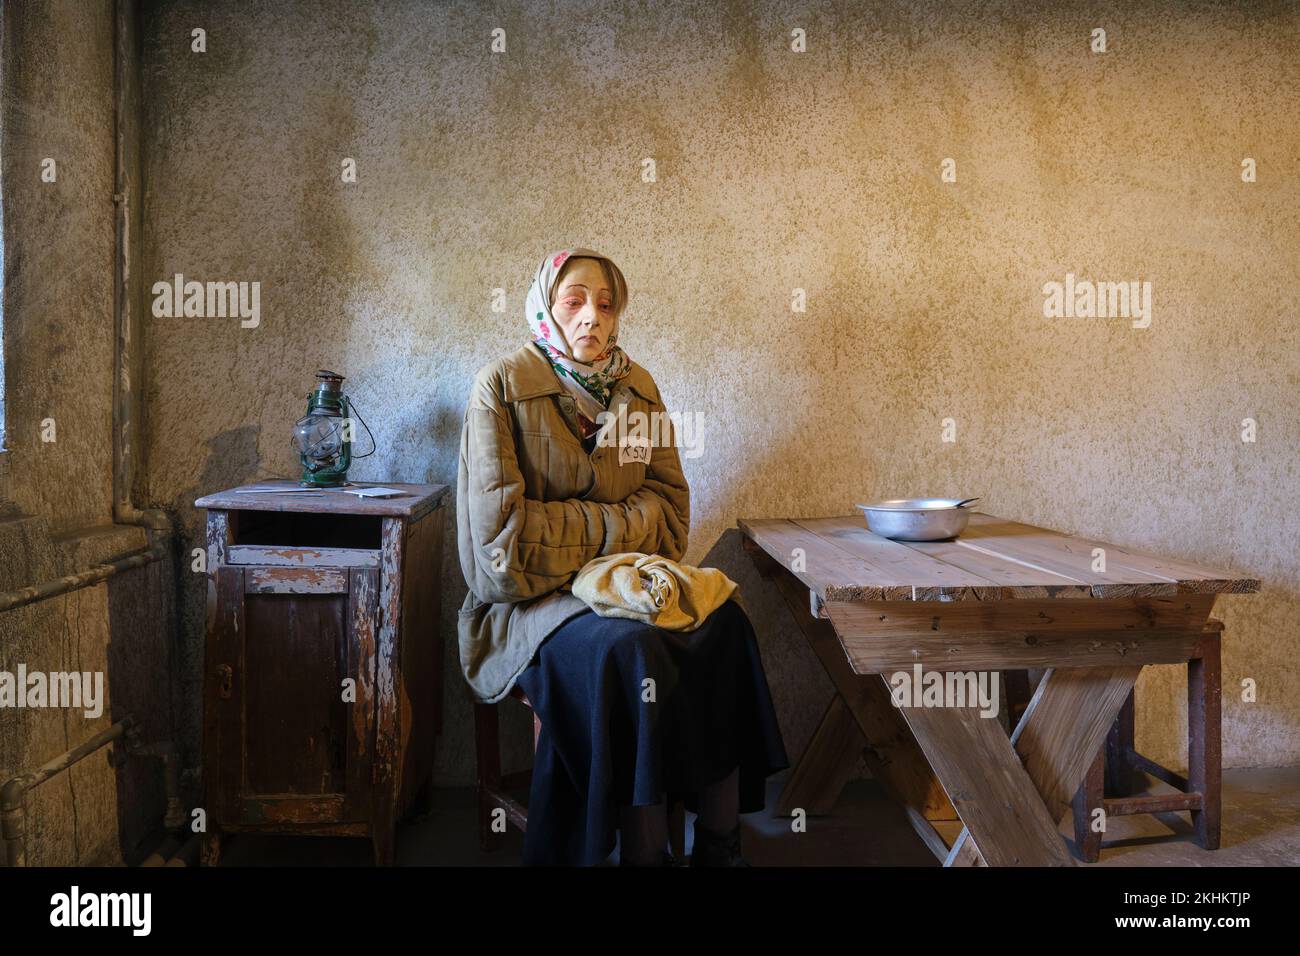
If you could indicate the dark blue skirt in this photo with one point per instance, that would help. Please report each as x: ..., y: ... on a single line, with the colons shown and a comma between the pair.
x: 632, y: 715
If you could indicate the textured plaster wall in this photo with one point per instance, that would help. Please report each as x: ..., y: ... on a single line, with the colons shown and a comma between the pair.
x: 56, y: 497
x: 775, y: 171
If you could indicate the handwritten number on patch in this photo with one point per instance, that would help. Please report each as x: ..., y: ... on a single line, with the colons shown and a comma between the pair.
x: 634, y: 448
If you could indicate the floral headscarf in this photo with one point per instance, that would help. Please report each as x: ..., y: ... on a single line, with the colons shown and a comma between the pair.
x: 590, y: 383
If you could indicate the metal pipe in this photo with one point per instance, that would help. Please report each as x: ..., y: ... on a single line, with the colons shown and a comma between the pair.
x: 125, y: 313
x: 13, y: 794
x: 82, y: 579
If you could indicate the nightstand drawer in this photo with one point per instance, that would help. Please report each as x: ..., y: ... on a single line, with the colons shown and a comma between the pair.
x: 280, y: 556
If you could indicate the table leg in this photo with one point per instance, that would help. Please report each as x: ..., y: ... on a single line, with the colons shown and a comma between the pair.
x: 1204, y: 756
x: 1119, y: 752
x: 1061, y: 734
x: 1089, y: 796
x: 996, y: 799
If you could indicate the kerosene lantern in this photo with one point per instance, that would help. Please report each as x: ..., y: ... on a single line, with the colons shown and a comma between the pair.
x: 322, y: 436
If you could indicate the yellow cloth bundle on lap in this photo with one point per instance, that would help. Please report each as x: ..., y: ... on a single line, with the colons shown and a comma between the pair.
x: 653, y: 589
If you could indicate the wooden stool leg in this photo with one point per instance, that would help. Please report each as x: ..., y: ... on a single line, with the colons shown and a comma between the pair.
x: 487, y: 748
x: 1204, y: 753
x: 677, y: 830
x: 1088, y: 798
x: 1119, y: 753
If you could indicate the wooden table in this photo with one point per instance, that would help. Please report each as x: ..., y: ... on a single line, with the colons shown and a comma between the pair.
x: 1002, y: 596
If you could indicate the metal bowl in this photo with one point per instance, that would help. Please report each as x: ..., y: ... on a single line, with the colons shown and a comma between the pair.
x: 916, y: 519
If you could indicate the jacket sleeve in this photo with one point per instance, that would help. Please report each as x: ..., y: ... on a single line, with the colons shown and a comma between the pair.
x: 514, y: 548
x: 665, y: 480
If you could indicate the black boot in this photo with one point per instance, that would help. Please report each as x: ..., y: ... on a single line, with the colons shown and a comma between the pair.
x: 714, y: 849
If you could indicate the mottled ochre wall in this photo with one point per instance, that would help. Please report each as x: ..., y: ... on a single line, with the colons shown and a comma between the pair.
x: 774, y: 171
x: 56, y: 496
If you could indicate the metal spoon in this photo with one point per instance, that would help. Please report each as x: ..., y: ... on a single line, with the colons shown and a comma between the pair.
x: 967, y: 501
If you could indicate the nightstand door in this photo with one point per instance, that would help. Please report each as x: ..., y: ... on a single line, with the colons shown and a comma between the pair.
x: 291, y: 663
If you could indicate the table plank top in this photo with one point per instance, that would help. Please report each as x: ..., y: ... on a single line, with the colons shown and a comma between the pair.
x: 994, y: 558
x: 415, y: 500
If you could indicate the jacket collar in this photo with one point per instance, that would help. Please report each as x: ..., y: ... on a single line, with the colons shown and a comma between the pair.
x: 528, y: 375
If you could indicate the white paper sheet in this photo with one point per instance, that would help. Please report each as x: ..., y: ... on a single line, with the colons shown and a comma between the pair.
x: 372, y: 492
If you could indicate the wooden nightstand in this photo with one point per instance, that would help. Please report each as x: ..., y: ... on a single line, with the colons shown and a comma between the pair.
x: 322, y: 682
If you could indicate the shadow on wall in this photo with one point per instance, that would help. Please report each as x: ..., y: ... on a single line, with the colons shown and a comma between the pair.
x: 800, y: 688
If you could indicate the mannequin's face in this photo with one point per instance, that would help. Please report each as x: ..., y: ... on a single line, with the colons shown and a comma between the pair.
x: 583, y: 307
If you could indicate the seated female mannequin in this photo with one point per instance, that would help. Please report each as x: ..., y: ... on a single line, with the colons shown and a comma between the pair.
x: 631, y: 714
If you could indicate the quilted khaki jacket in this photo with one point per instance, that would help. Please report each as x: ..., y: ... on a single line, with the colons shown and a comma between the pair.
x: 532, y: 507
